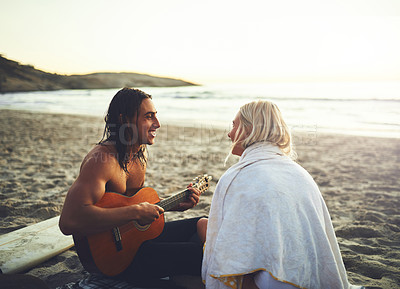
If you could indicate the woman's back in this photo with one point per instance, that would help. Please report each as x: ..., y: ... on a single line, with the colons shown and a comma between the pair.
x: 274, y: 219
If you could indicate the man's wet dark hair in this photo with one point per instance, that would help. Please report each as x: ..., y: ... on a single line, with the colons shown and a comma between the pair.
x: 119, y: 130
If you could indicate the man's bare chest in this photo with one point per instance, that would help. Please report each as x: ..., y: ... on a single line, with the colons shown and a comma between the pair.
x: 127, y: 183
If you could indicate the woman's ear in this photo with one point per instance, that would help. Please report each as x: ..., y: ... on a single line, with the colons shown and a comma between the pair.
x: 120, y: 119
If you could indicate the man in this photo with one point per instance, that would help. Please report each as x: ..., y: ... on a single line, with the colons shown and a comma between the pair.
x: 118, y: 164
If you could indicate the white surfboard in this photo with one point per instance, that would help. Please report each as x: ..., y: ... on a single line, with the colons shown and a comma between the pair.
x: 25, y: 248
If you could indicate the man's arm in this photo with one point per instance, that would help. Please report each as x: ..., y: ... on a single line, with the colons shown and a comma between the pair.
x: 79, y: 215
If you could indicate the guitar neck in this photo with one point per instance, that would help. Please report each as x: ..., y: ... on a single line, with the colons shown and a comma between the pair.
x: 171, y: 202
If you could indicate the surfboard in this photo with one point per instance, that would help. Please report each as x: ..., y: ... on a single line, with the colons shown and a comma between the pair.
x: 25, y: 248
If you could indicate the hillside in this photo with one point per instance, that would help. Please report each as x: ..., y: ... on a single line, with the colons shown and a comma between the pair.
x: 16, y: 77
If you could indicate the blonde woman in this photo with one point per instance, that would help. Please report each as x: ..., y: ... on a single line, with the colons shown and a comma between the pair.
x: 269, y: 226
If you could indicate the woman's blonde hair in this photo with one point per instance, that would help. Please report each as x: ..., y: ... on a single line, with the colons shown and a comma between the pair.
x: 262, y: 121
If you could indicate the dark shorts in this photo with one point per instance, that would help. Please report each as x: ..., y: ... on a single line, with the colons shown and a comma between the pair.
x: 177, y: 251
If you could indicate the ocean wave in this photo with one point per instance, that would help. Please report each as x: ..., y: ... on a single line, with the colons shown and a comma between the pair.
x: 384, y: 124
x: 372, y: 113
x: 338, y: 99
x: 187, y: 96
x: 281, y: 98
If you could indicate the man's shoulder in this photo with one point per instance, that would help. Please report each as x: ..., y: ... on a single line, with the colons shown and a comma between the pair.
x: 101, y: 155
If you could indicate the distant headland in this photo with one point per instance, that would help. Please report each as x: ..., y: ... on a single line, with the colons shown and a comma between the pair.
x: 16, y: 77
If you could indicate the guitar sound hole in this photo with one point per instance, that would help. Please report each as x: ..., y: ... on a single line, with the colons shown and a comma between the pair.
x: 140, y: 227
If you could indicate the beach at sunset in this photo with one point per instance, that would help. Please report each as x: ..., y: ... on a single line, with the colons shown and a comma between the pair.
x: 331, y: 67
x: 358, y: 177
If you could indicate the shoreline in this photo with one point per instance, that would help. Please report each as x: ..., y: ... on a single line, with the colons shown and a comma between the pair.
x: 213, y: 126
x: 357, y: 175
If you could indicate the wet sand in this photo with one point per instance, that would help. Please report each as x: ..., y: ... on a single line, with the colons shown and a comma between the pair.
x: 358, y: 177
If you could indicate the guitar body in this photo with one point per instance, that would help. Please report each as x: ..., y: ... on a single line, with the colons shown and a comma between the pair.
x: 112, y: 251
x: 100, y: 252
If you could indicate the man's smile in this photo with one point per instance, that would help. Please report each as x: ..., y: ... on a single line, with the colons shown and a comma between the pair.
x: 152, y: 133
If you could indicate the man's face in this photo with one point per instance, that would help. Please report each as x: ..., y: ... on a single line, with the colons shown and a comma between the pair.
x: 147, y: 122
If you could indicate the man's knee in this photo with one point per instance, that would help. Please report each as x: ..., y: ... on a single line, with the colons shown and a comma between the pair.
x: 202, y: 229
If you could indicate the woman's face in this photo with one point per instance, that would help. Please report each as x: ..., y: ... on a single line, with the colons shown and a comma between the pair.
x: 237, y: 149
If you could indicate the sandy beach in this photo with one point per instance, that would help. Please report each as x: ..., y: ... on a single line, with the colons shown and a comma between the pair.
x: 358, y: 177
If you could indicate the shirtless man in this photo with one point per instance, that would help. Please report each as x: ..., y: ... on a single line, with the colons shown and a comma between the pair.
x: 118, y: 164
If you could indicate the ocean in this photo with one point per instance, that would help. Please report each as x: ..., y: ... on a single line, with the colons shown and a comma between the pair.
x: 352, y: 108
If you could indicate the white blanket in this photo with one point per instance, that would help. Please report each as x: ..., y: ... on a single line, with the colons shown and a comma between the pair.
x: 267, y: 213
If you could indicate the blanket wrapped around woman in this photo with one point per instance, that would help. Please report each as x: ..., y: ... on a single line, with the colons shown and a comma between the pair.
x: 267, y: 214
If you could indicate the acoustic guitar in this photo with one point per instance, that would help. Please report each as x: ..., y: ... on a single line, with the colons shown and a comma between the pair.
x: 112, y: 251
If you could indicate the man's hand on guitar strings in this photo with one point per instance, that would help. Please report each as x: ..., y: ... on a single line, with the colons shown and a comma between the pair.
x: 148, y: 213
x: 191, y: 201
x: 195, y: 196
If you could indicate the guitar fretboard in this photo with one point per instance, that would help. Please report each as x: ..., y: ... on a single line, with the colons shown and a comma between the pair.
x: 171, y: 202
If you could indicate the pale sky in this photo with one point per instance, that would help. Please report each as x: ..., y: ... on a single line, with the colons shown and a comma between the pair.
x: 209, y: 40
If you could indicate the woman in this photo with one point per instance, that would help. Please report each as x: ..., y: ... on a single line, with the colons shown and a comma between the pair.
x: 269, y: 226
